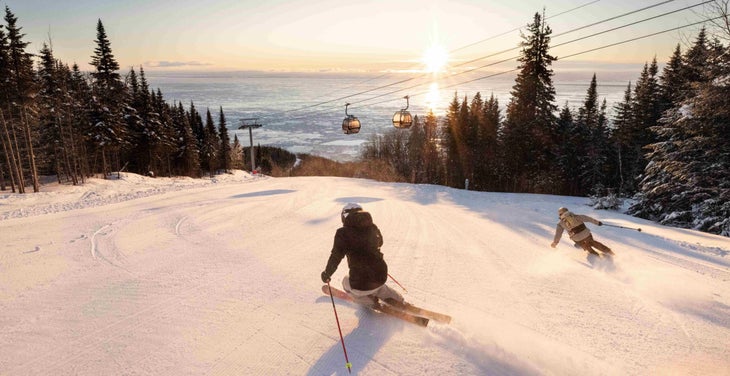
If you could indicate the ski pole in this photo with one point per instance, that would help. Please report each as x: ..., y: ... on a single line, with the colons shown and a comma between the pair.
x: 348, y: 365
x: 396, y: 282
x: 630, y: 228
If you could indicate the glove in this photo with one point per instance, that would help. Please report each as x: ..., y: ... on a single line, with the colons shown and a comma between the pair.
x: 553, y: 244
x: 325, y: 277
x: 600, y: 223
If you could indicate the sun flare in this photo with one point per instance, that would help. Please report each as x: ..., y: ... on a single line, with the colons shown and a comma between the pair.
x: 433, y: 97
x: 435, y: 58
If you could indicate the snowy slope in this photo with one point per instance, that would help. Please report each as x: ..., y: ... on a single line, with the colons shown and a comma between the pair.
x: 191, y: 277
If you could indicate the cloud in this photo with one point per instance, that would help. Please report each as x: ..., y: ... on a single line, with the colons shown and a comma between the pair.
x: 171, y: 64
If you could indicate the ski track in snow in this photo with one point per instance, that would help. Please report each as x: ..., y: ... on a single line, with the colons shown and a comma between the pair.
x: 93, y: 239
x: 222, y: 277
x: 178, y: 224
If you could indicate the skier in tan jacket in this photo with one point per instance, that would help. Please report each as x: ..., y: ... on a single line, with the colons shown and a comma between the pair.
x: 578, y: 232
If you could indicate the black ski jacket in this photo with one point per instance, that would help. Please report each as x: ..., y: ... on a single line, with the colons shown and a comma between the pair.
x: 360, y: 240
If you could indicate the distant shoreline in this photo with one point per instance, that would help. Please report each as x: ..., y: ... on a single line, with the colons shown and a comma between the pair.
x: 564, y: 72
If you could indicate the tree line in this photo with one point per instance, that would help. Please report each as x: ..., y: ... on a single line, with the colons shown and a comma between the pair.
x: 667, y: 145
x: 56, y: 120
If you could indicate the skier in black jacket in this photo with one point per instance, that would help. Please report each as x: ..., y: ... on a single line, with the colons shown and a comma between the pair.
x: 360, y: 240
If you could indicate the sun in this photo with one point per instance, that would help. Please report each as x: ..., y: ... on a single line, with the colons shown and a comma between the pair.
x: 435, y: 58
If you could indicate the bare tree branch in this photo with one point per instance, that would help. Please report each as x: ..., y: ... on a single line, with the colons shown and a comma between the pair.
x: 718, y: 15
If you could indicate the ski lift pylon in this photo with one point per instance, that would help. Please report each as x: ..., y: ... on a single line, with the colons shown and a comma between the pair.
x: 350, y: 124
x: 403, y: 119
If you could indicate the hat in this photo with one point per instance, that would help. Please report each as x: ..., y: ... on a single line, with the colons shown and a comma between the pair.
x: 562, y: 210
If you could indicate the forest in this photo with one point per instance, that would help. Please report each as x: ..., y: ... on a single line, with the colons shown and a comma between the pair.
x: 666, y: 146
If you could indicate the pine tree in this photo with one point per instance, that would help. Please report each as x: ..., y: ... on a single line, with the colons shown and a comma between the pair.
x: 106, y: 75
x: 187, y: 153
x: 528, y: 132
x: 567, y: 151
x: 107, y: 133
x: 434, y: 170
x: 673, y: 90
x: 8, y: 146
x: 634, y: 133
x: 148, y: 130
x: 487, y: 165
x: 473, y: 156
x: 672, y: 86
x: 51, y: 115
x: 695, y: 62
x: 21, y: 107
x: 225, y: 146
x: 167, y: 133
x: 211, y: 143
x: 80, y: 92
x: 196, y: 123
x: 236, y: 154
x: 621, y: 139
x: 135, y: 124
x: 454, y: 144
x: 593, y: 133
x: 416, y: 150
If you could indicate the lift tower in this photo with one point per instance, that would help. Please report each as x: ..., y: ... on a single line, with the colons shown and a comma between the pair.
x: 251, y: 123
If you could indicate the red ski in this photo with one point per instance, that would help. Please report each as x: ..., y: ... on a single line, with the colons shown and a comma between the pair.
x: 404, y: 312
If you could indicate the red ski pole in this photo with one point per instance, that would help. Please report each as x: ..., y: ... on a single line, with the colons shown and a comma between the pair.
x: 396, y: 282
x: 348, y: 365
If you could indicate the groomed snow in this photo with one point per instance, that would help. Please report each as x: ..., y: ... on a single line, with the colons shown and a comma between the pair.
x: 142, y: 276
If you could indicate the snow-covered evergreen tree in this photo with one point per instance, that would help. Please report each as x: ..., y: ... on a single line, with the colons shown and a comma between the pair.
x: 21, y: 109
x: 187, y: 157
x: 687, y: 182
x: 107, y: 130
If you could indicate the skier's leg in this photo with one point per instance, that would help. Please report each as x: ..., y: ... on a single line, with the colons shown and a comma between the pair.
x: 586, y: 244
x: 362, y: 297
x: 388, y: 294
x: 602, y: 247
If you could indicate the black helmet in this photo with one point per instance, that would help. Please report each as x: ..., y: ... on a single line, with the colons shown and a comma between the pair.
x: 349, y: 208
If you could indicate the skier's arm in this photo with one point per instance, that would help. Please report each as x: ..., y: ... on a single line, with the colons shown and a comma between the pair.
x: 336, y: 256
x: 558, y: 234
x: 586, y: 218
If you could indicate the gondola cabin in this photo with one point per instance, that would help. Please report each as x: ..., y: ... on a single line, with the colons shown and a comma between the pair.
x: 350, y: 125
x: 403, y: 119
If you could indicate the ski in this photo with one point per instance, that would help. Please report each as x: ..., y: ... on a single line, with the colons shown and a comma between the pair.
x: 410, y: 308
x: 405, y: 312
x: 383, y: 308
x: 405, y: 316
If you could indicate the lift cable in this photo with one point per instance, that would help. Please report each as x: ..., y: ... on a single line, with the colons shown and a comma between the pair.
x: 561, y: 58
x: 456, y: 50
x: 512, y: 49
x: 594, y: 24
x: 520, y: 28
x: 562, y: 44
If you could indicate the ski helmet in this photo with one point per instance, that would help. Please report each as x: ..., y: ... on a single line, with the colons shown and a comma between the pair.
x: 349, y: 208
x: 562, y: 210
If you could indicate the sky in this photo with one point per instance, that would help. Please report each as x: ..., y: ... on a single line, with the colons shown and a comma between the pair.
x: 332, y: 35
x: 161, y: 276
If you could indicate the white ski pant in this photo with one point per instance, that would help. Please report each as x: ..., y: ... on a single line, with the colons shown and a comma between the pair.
x: 368, y: 297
